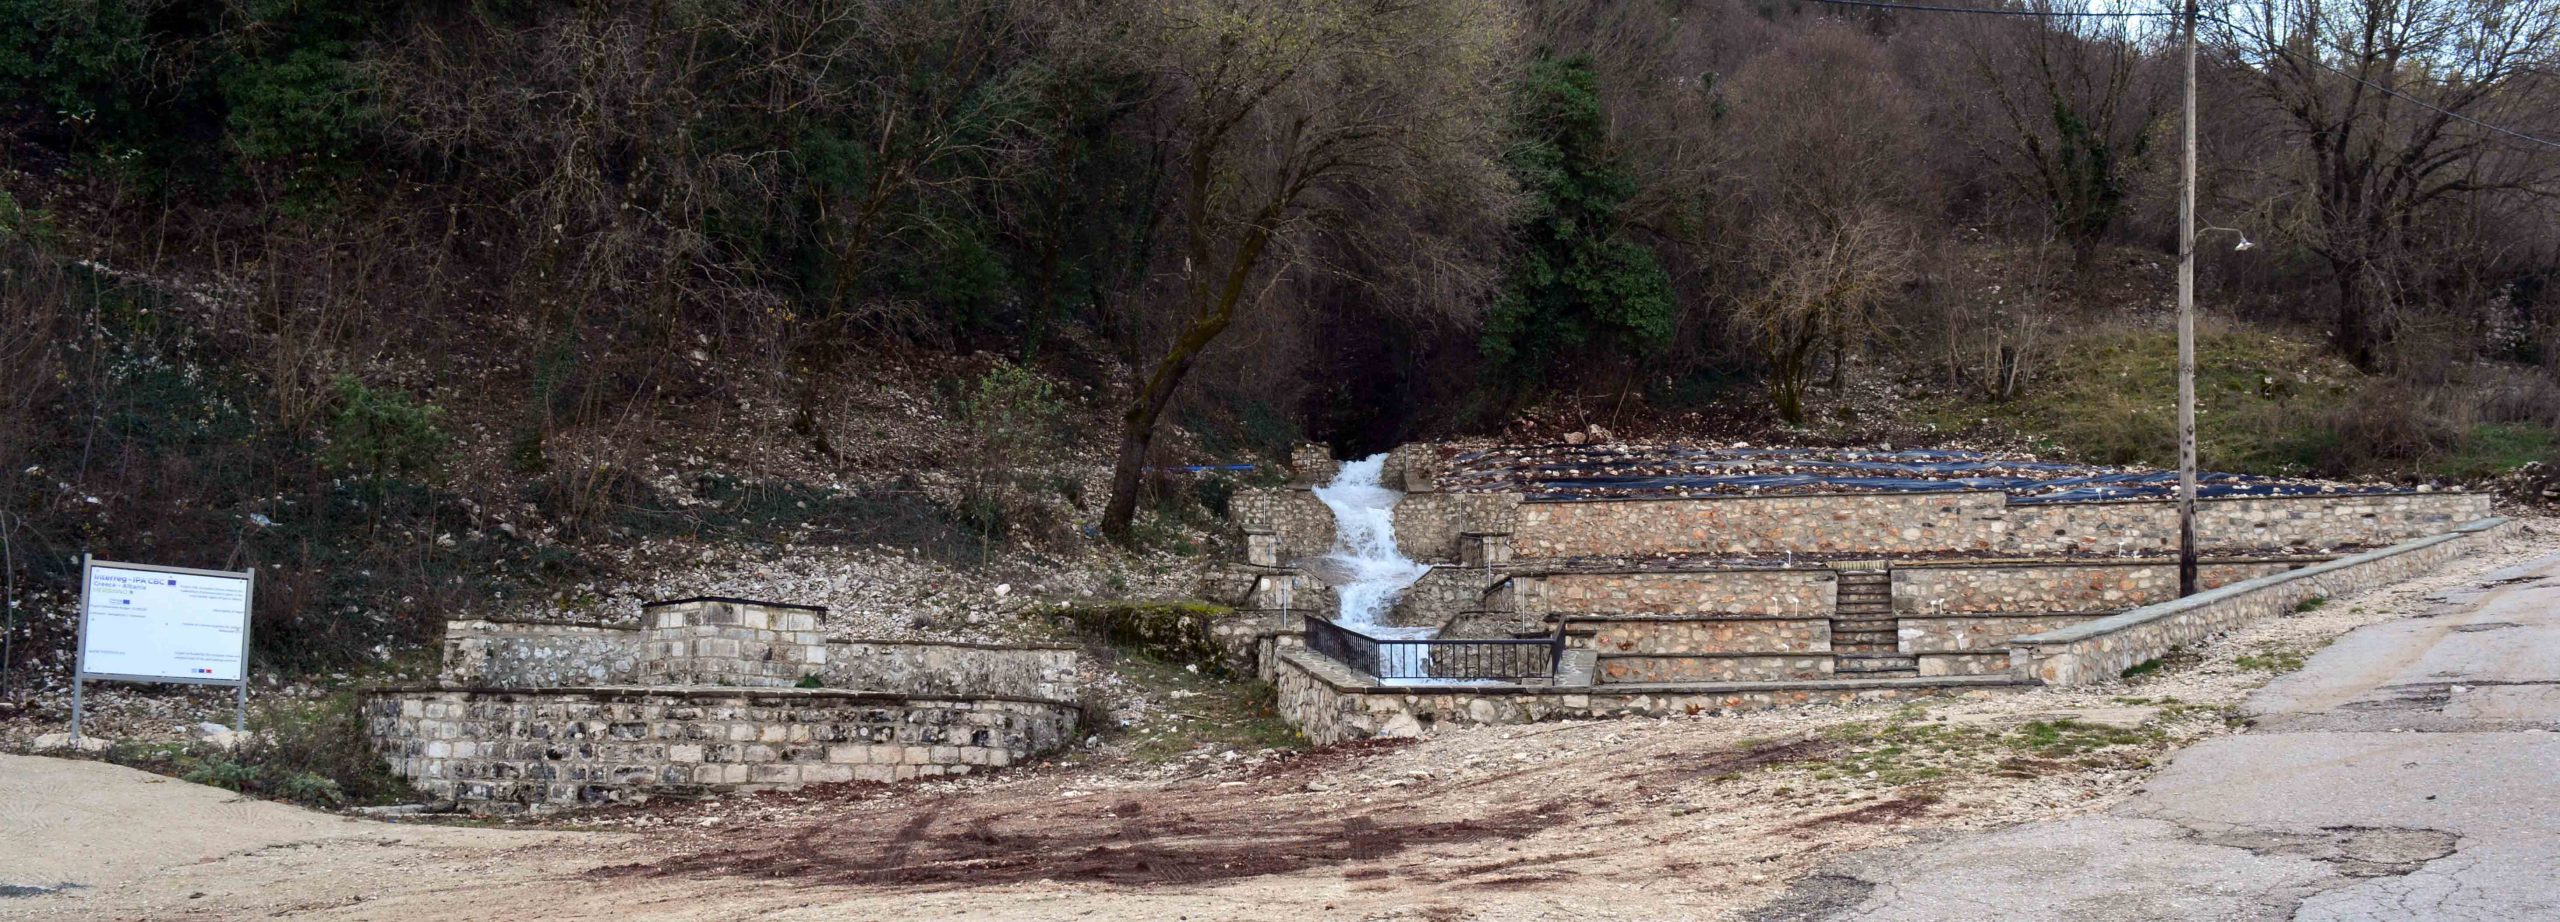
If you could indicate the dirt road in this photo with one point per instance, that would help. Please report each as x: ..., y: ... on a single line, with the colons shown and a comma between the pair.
x: 1692, y: 818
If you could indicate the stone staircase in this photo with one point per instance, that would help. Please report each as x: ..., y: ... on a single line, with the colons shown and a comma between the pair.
x: 1865, y: 639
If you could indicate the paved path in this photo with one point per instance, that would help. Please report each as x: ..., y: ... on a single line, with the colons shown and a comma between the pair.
x: 2411, y: 771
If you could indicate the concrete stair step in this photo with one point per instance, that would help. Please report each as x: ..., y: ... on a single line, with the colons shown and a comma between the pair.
x: 1887, y: 638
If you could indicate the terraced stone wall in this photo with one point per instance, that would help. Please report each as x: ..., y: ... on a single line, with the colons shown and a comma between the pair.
x: 1622, y: 669
x: 934, y: 668
x: 1441, y: 595
x: 1879, y: 524
x: 515, y: 750
x: 731, y: 642
x: 538, y: 655
x: 2237, y: 524
x: 1984, y: 524
x: 2105, y: 647
x: 1281, y: 524
x: 1329, y: 704
x: 1676, y: 634
x: 1808, y: 592
x: 2058, y: 586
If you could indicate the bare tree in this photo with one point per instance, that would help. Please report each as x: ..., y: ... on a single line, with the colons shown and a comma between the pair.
x: 2386, y: 101
x: 2079, y: 107
x: 1822, y: 231
x: 1290, y: 121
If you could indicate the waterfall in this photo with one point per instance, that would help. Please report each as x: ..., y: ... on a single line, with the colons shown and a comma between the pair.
x: 1364, y: 548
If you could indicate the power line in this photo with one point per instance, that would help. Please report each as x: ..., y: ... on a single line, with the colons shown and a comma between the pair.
x: 1988, y: 11
x: 2314, y: 59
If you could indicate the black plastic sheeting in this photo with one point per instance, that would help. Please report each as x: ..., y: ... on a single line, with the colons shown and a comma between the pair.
x: 1615, y: 472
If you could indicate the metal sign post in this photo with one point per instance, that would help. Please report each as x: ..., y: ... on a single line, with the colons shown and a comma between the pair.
x: 163, y: 624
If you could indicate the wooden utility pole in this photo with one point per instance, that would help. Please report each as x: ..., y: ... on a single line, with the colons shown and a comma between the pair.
x: 2187, y: 332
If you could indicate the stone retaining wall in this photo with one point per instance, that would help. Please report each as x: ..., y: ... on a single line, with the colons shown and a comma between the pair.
x: 538, y: 655
x: 2255, y: 523
x: 1985, y: 523
x: 1884, y: 524
x: 1329, y: 704
x: 2062, y: 586
x: 2105, y: 647
x: 516, y: 749
x: 1677, y: 635
x: 1432, y: 527
x: 1439, y: 596
x: 1248, y: 637
x: 1963, y: 664
x: 927, y: 668
x: 500, y: 654
x: 730, y: 642
x: 1281, y: 525
x: 1803, y: 592
x: 1981, y: 632
x: 1624, y: 669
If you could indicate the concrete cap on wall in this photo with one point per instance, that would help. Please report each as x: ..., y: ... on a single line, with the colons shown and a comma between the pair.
x: 733, y: 600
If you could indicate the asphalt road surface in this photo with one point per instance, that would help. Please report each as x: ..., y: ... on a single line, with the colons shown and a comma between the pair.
x: 2410, y: 771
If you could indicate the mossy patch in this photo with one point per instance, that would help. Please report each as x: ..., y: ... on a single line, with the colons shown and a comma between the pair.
x: 1174, y: 632
x: 2275, y: 660
x: 1909, y: 748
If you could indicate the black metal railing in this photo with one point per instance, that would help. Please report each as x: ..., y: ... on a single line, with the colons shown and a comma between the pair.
x: 1436, y: 658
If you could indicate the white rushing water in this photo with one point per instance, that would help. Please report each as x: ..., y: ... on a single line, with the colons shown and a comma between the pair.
x: 1374, y: 572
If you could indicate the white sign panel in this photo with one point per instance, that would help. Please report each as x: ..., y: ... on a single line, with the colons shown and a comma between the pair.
x: 156, y: 623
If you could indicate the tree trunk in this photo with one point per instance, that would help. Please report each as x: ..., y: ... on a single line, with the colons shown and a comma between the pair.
x: 1138, y: 430
x: 1137, y: 435
x: 2357, y: 338
x: 1791, y: 368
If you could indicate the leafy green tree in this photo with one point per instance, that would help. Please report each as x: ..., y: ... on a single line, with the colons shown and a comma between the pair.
x: 1581, y: 284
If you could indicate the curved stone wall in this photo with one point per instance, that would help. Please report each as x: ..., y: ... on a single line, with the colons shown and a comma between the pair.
x: 515, y: 749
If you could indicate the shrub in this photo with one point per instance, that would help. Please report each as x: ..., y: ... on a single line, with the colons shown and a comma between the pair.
x: 1016, y: 422
x: 382, y: 434
x: 2391, y: 424
x: 314, y: 753
x: 1013, y: 413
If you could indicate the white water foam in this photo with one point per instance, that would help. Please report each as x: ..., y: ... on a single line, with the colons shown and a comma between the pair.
x: 1364, y: 547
